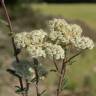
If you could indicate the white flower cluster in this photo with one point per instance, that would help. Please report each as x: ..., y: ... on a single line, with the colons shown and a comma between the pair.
x: 54, y: 50
x: 22, y: 39
x: 32, y: 42
x: 25, y: 39
x: 37, y: 36
x: 36, y: 51
x: 37, y: 45
x: 83, y: 43
x: 62, y: 32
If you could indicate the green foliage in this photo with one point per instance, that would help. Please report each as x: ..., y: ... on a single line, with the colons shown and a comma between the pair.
x: 70, y: 86
x: 64, y: 84
x: 3, y: 22
x: 24, y: 67
x: 20, y: 90
x: 42, y: 71
x: 87, y: 81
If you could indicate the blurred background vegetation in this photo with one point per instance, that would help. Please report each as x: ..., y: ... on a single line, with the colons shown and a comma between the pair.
x: 27, y: 15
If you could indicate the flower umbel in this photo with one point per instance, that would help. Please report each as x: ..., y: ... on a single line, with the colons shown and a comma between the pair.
x: 36, y: 51
x: 54, y: 50
x: 40, y: 44
x: 22, y: 39
x: 83, y: 43
x: 32, y: 42
x: 63, y: 33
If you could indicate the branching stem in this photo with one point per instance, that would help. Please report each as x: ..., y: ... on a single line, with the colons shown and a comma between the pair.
x: 63, y: 71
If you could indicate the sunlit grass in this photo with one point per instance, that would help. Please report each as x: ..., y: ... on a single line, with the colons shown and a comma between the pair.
x: 85, y: 12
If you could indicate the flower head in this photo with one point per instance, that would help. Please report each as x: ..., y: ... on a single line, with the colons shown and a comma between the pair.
x: 83, y: 43
x: 62, y: 31
x: 32, y: 42
x: 36, y: 51
x: 22, y: 39
x: 54, y: 50
x: 37, y: 36
x: 57, y: 24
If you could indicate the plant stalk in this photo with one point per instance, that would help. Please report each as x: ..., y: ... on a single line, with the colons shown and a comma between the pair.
x: 12, y: 38
x: 37, y: 76
x: 63, y: 70
x: 55, y: 64
x: 27, y: 88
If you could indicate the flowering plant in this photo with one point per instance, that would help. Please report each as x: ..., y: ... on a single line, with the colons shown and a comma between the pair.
x: 53, y: 43
x: 39, y: 43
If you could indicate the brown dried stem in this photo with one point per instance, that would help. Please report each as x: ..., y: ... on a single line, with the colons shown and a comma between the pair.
x: 12, y: 38
x: 55, y: 64
x: 63, y: 71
